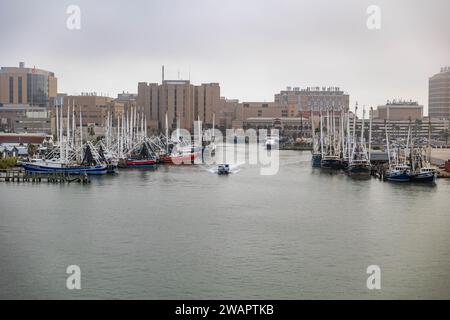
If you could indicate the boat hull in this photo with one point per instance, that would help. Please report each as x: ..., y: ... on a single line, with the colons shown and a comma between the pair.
x: 399, y: 177
x: 427, y: 177
x: 92, y: 170
x: 148, y: 163
x: 330, y: 163
x: 316, y: 160
x: 180, y: 159
x: 358, y: 170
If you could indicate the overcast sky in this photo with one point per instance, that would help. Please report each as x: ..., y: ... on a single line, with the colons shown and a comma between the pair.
x: 253, y: 48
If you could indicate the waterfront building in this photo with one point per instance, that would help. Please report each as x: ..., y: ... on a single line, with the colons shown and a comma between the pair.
x: 26, y: 95
x: 399, y: 128
x: 439, y: 94
x: 182, y: 101
x: 399, y: 111
x: 92, y: 106
x: 312, y: 98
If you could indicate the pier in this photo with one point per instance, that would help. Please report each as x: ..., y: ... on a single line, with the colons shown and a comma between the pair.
x: 20, y: 175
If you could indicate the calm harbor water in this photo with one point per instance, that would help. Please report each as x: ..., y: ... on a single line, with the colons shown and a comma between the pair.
x: 186, y: 233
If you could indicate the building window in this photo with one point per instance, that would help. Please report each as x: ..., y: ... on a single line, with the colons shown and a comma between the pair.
x: 11, y: 90
x: 284, y: 113
x: 246, y: 105
x: 259, y: 113
x: 19, y: 91
x: 265, y: 105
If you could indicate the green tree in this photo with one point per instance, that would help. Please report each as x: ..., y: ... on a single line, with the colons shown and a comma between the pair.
x: 32, y: 149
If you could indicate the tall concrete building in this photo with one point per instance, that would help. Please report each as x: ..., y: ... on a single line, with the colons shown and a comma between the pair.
x: 312, y: 98
x: 26, y: 95
x: 182, y: 101
x: 93, y: 108
x: 439, y: 95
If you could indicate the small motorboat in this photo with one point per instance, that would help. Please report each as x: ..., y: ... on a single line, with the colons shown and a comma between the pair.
x: 223, y: 169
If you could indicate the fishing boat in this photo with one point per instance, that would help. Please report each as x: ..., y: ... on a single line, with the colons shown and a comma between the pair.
x: 359, y: 168
x: 329, y: 145
x: 183, y: 155
x: 425, y: 175
x: 142, y: 156
x: 89, y: 165
x: 316, y: 154
x: 140, y: 163
x: 67, y: 168
x: 359, y: 160
x: 316, y: 160
x: 330, y: 162
x: 399, y: 173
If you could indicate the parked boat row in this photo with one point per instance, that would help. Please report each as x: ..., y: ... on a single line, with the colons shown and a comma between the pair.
x: 126, y: 147
x: 338, y: 146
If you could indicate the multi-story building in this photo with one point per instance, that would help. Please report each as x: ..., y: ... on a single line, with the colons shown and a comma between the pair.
x: 439, y: 95
x: 399, y: 111
x: 182, y: 101
x: 312, y: 98
x: 93, y: 108
x: 26, y: 94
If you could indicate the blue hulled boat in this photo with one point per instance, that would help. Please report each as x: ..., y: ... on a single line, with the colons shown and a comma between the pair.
x: 399, y: 173
x: 58, y: 167
x: 316, y: 160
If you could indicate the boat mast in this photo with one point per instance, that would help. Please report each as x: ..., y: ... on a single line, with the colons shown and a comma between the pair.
x: 354, y: 133
x: 387, y: 143
x: 370, y: 133
x: 167, y: 135
x: 313, y: 135
x: 321, y: 132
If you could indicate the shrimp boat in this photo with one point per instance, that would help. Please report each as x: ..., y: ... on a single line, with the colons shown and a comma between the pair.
x: 183, y: 155
x: 89, y: 165
x: 426, y: 175
x: 329, y: 145
x: 316, y: 160
x: 399, y: 173
x: 359, y: 157
x: 142, y: 156
x: 330, y: 162
x: 316, y: 156
x: 50, y: 166
x: 359, y: 168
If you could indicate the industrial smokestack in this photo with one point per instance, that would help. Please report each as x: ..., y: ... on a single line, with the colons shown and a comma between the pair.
x: 162, y: 74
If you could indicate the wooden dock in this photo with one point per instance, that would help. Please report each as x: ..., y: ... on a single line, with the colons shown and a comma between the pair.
x: 20, y: 175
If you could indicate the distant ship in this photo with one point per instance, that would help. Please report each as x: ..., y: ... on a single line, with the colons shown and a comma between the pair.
x: 271, y: 143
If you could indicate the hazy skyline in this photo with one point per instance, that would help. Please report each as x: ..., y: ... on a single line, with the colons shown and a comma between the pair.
x: 252, y: 48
